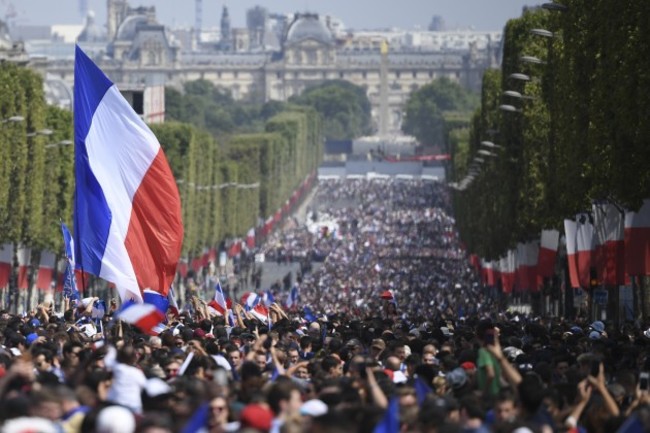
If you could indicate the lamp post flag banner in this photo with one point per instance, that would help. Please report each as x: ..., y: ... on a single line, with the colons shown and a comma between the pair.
x: 127, y: 210
x: 570, y: 232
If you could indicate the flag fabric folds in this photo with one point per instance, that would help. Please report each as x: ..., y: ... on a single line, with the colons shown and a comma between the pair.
x: 146, y: 317
x: 156, y: 299
x: 70, y: 290
x: 24, y: 256
x: 637, y: 241
x: 570, y: 233
x: 292, y: 299
x: 609, y: 228
x: 547, y: 253
x: 173, y: 305
x: 508, y: 269
x: 199, y: 421
x: 6, y: 263
x: 390, y: 422
x: 127, y: 209
x: 585, y: 248
x: 250, y: 238
x: 267, y: 298
x: 219, y: 302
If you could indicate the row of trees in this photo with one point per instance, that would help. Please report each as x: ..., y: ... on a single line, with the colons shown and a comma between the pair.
x: 36, y: 170
x: 578, y: 135
x: 228, y: 189
x: 227, y: 185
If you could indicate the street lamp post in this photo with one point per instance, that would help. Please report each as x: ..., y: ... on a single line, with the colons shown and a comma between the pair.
x: 519, y: 76
x: 515, y: 94
x: 542, y: 32
x: 12, y: 119
x: 532, y: 59
x: 59, y: 144
x: 509, y: 108
x: 490, y: 144
x: 44, y: 132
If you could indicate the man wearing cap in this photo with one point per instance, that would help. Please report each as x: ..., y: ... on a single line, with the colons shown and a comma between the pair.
x: 377, y: 349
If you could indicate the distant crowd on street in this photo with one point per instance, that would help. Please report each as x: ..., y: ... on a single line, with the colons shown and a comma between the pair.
x: 391, y: 332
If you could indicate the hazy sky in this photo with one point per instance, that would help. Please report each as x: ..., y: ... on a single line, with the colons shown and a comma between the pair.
x: 479, y: 14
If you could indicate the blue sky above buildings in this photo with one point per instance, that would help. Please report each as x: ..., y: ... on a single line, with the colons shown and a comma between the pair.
x: 357, y: 14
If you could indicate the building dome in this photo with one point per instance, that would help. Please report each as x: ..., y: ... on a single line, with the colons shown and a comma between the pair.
x: 308, y: 26
x: 128, y: 29
x: 91, y: 32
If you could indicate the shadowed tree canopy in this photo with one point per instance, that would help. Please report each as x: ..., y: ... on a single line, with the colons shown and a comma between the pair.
x: 424, y: 114
x: 345, y: 108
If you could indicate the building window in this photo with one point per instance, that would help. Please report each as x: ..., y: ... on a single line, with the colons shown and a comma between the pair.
x: 235, y: 74
x: 364, y: 74
x: 415, y: 74
x: 430, y: 74
x: 341, y: 75
x: 278, y: 75
x: 397, y: 74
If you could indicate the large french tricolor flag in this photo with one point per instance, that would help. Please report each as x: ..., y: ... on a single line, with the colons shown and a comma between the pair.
x: 127, y: 213
x: 637, y: 241
x: 570, y: 232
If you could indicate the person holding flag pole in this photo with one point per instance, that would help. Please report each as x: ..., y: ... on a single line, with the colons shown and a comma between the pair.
x: 70, y: 291
x: 127, y: 209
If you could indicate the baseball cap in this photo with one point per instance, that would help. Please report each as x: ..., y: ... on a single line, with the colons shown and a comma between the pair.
x: 469, y: 365
x: 378, y: 343
x: 313, y: 407
x: 256, y: 416
x: 598, y: 326
x: 31, y: 338
x: 115, y: 419
x: 456, y: 378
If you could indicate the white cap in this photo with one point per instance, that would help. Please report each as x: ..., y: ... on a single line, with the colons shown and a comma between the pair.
x: 115, y: 419
x: 313, y: 408
x: 399, y: 377
x: 156, y: 386
x: 29, y: 425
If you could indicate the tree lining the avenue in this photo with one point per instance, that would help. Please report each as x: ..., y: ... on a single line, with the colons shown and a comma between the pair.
x: 579, y: 135
x: 228, y: 184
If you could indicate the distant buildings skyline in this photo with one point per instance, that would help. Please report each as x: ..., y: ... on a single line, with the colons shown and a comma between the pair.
x: 406, y: 14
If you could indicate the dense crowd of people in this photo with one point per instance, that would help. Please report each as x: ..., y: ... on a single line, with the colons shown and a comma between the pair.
x: 398, y: 335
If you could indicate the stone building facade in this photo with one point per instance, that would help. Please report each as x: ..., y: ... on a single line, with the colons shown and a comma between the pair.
x: 142, y: 51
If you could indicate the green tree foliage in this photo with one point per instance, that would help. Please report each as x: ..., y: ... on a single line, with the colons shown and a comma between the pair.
x: 225, y: 189
x: 205, y: 106
x: 344, y: 107
x: 425, y: 110
x: 582, y: 135
x: 226, y: 186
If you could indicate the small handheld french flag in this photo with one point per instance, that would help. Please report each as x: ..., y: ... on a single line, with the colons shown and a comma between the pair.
x: 219, y: 303
x: 70, y: 290
x: 292, y: 300
x: 268, y: 299
x: 146, y: 317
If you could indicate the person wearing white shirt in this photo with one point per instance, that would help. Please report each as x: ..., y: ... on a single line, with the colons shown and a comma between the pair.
x: 128, y: 380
